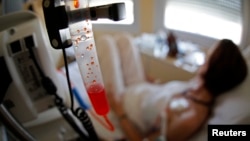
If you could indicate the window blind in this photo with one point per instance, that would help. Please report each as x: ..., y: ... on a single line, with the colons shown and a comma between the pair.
x: 230, y: 10
x: 212, y: 18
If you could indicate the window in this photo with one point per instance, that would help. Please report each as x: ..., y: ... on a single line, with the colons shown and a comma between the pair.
x: 212, y: 18
x: 129, y: 6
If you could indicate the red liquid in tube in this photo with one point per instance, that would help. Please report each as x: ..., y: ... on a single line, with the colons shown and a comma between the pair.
x: 98, y: 98
x: 76, y: 3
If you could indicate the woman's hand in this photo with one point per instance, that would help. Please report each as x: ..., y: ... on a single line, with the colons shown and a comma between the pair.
x: 116, y: 104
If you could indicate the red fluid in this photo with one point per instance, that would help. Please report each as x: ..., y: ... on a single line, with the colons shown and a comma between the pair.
x: 76, y: 3
x: 98, y: 98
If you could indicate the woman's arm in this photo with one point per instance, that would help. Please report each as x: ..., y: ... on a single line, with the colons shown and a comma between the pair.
x: 132, y: 134
x: 128, y: 128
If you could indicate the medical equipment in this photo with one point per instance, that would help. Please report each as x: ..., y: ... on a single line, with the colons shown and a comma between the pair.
x: 76, y: 16
x: 21, y: 35
x: 22, y: 94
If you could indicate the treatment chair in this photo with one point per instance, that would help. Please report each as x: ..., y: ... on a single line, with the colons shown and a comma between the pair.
x: 122, y: 72
x: 230, y: 108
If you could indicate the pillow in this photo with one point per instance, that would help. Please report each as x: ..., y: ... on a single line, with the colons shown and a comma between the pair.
x: 233, y: 106
x: 230, y: 108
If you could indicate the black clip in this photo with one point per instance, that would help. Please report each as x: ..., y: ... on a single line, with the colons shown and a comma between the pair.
x: 56, y: 19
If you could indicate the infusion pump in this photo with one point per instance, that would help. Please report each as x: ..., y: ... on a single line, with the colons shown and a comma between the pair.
x: 21, y: 89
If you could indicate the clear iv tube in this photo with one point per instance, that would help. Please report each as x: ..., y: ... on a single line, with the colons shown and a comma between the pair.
x: 86, y: 56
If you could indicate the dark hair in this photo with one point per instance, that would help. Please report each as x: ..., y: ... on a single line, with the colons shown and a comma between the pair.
x: 227, y: 68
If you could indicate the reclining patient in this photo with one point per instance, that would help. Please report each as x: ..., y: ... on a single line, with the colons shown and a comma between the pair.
x: 185, y: 111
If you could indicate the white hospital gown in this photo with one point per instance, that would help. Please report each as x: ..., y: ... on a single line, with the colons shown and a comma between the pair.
x: 144, y: 102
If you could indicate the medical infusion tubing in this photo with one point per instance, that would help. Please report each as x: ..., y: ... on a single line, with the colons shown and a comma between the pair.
x: 79, y: 113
